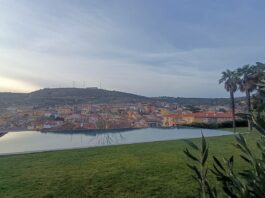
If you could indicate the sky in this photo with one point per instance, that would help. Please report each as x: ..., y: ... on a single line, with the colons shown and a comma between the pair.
x: 149, y: 47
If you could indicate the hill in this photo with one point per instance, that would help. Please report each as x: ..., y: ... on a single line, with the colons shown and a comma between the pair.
x: 197, y: 101
x: 55, y: 96
x: 79, y: 95
x: 45, y: 97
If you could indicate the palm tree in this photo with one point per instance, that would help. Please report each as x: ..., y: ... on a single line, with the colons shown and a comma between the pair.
x: 230, y: 80
x: 259, y: 70
x: 248, y: 83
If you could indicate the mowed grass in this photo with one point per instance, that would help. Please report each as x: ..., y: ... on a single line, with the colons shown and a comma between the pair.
x: 139, y: 170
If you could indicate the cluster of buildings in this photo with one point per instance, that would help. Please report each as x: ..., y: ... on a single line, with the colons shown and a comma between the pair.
x: 108, y: 116
x: 198, y: 117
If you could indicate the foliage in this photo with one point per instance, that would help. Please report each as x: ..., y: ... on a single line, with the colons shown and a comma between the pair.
x: 192, y: 108
x: 230, y: 79
x: 249, y: 182
x: 250, y: 77
x: 258, y: 115
x: 229, y: 124
x: 200, y: 169
x: 214, y: 125
x: 202, y: 125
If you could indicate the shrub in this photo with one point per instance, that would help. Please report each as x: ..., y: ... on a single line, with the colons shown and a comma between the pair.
x: 248, y: 183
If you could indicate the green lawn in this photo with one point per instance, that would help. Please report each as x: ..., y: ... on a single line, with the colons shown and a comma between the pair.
x: 139, y: 170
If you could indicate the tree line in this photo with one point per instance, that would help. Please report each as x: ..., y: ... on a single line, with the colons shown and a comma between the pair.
x: 244, y: 79
x: 250, y: 182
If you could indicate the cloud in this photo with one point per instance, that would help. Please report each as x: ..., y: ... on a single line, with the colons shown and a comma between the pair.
x: 138, y: 47
x: 46, y: 70
x: 15, y: 85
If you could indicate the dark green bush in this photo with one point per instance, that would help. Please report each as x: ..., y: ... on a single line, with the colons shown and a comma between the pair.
x: 249, y: 183
x: 214, y: 125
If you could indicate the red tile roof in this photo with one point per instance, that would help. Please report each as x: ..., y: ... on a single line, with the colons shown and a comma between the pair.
x: 203, y: 115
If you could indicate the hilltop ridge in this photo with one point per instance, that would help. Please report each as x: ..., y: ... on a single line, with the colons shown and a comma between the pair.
x: 55, y: 96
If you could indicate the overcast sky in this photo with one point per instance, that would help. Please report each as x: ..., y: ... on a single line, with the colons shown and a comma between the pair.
x: 147, y: 47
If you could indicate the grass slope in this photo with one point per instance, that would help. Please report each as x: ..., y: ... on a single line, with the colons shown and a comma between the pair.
x: 139, y: 170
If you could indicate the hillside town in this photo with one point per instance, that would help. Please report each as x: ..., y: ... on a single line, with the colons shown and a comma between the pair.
x: 111, y: 116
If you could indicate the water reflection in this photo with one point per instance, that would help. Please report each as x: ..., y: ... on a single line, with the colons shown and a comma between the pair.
x: 110, y: 138
x: 32, y: 141
x: 102, y: 137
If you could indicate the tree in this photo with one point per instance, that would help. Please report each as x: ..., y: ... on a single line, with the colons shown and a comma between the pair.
x: 250, y: 76
x: 260, y: 68
x: 247, y: 84
x: 248, y: 183
x: 258, y: 114
x: 231, y: 80
x: 193, y: 109
x: 259, y: 71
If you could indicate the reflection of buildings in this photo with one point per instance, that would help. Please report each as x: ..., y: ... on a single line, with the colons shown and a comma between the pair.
x: 102, y: 138
x: 110, y: 138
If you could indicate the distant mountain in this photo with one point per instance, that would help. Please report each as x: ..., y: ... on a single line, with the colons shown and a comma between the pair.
x: 7, y: 99
x: 196, y: 101
x: 48, y: 97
